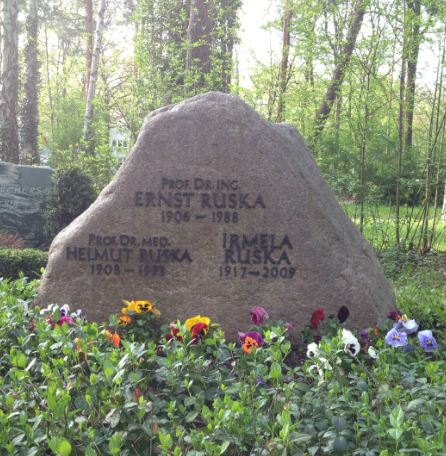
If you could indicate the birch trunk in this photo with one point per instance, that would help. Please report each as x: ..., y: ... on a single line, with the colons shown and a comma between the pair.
x: 89, y: 108
x: 284, y: 65
x: 9, y: 136
x: 89, y: 28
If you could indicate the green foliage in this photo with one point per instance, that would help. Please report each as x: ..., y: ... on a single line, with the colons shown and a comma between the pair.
x: 70, y: 390
x: 15, y: 262
x: 161, y: 46
x: 71, y: 194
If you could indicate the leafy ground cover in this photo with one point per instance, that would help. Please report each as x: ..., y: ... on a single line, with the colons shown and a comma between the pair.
x: 70, y: 387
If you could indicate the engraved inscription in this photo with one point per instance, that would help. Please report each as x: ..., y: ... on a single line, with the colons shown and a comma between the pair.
x: 219, y: 201
x: 260, y: 255
x: 122, y: 254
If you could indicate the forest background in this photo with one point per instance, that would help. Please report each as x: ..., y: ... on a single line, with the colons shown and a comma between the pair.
x: 79, y: 76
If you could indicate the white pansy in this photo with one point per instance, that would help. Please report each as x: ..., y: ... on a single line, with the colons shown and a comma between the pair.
x: 372, y: 353
x: 312, y: 350
x: 65, y: 309
x: 350, y: 342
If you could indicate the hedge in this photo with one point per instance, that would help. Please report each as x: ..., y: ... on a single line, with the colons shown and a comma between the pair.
x: 27, y: 261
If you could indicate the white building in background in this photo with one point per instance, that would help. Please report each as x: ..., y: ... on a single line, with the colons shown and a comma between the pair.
x: 119, y: 142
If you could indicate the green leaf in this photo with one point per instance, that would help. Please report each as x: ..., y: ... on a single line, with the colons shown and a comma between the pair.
x: 396, y: 417
x: 276, y: 371
x: 114, y: 445
x: 395, y: 433
x: 224, y: 447
x: 191, y: 416
x: 415, y: 404
x: 64, y: 448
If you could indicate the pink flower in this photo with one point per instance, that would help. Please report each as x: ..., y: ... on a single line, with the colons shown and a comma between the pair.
x: 258, y: 314
x: 65, y: 319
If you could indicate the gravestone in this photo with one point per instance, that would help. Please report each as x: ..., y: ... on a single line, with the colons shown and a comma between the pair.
x: 22, y: 193
x: 213, y: 212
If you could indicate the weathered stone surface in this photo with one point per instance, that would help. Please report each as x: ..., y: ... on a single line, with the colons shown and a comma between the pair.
x: 22, y: 194
x: 213, y: 212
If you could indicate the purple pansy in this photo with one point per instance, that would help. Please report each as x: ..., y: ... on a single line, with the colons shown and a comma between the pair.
x: 254, y: 335
x: 427, y: 340
x: 258, y: 314
x: 406, y: 325
x: 343, y: 314
x: 65, y: 319
x: 394, y: 315
x: 396, y: 338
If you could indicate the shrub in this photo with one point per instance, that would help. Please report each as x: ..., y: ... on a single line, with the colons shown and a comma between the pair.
x: 29, y: 262
x: 71, y: 194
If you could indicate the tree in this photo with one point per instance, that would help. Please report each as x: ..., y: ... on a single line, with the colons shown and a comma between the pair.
x: 30, y: 112
x: 89, y: 28
x: 9, y: 136
x: 198, y: 56
x: 284, y: 64
x: 89, y: 109
x: 340, y: 68
x: 183, y: 47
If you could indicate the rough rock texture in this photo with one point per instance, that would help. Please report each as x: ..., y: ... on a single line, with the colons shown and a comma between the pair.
x: 213, y: 212
x: 22, y: 193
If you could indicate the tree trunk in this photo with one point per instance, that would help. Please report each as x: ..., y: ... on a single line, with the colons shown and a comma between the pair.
x: 89, y: 28
x: 9, y: 136
x: 340, y: 68
x: 89, y: 108
x: 198, y: 58
x: 284, y: 70
x: 414, y: 7
x: 30, y: 113
x: 401, y: 146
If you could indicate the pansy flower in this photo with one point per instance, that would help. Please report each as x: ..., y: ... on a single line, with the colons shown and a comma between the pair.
x: 251, y: 340
x: 258, y: 315
x: 191, y: 322
x: 427, y: 340
x: 394, y: 315
x: 343, y: 314
x: 140, y: 307
x: 312, y: 350
x: 396, y: 338
x: 198, y: 326
x: 199, y: 330
x: 372, y: 352
x: 406, y: 325
x: 350, y: 342
x: 113, y: 338
x: 173, y: 334
x: 65, y: 310
x: 125, y: 320
x: 65, y: 319
x: 317, y: 317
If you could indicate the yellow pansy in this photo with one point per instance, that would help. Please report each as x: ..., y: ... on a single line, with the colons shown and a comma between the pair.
x: 191, y: 322
x: 140, y: 307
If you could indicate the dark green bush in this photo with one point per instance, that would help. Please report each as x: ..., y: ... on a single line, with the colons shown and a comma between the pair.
x: 27, y: 261
x: 72, y: 193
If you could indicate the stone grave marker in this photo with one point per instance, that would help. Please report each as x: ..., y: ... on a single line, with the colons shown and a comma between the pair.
x: 213, y: 212
x: 22, y: 193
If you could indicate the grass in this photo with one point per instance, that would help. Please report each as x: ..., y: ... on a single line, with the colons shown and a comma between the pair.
x: 380, y: 225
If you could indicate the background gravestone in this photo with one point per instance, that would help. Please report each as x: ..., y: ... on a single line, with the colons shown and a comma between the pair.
x: 22, y: 193
x: 215, y: 211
